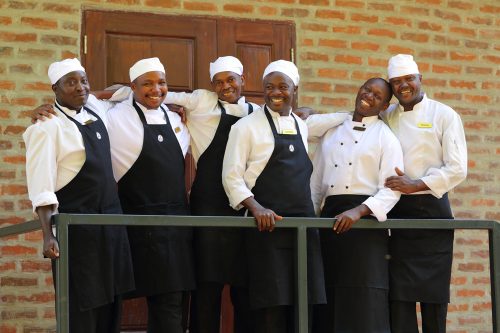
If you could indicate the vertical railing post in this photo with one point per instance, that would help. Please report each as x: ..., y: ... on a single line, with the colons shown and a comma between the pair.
x: 494, y: 242
x: 302, y: 306
x: 62, y: 275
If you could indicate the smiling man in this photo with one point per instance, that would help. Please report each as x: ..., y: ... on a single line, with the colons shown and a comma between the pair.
x: 435, y: 158
x: 148, y: 146
x: 350, y: 168
x: 267, y: 171
x: 68, y: 169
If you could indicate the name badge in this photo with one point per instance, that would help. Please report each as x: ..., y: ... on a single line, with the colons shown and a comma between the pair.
x: 88, y: 122
x: 289, y: 132
x: 177, y: 129
x: 424, y: 125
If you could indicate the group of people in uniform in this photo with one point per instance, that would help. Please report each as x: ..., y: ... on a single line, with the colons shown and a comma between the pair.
x: 126, y: 155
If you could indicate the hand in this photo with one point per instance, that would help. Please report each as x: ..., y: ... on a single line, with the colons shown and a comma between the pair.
x: 266, y: 218
x: 304, y: 112
x: 179, y: 110
x: 50, y: 247
x: 42, y: 112
x: 404, y: 184
x: 346, y: 219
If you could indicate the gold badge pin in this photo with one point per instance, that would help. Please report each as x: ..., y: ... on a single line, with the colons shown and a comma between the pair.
x: 177, y: 129
x: 424, y: 125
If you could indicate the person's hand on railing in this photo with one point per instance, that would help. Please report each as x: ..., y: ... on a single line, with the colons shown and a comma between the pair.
x: 346, y: 219
x: 265, y: 218
x: 50, y: 247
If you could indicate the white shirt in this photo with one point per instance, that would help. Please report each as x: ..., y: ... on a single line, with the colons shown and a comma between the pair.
x: 251, y: 144
x: 55, y: 152
x: 203, y: 115
x: 126, y: 133
x: 357, y: 162
x: 433, y: 142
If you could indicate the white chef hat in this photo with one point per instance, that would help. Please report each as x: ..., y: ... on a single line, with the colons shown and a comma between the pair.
x: 286, y: 67
x: 225, y: 64
x: 60, y: 68
x: 144, y: 66
x: 400, y: 65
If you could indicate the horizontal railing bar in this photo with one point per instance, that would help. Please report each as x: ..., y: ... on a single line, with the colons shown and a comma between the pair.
x: 233, y: 221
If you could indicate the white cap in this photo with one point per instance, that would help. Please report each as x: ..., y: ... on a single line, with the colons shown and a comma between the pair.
x: 60, y: 68
x: 225, y: 64
x: 144, y: 66
x: 286, y: 67
x: 400, y: 65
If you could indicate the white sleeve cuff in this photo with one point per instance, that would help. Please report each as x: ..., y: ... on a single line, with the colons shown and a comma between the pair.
x: 45, y: 199
x: 377, y: 209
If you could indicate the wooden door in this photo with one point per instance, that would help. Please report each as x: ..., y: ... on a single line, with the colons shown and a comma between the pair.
x: 114, y: 41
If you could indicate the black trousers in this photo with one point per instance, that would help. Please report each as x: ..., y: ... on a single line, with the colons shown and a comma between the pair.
x: 278, y: 319
x: 404, y: 317
x: 206, y: 306
x: 165, y: 313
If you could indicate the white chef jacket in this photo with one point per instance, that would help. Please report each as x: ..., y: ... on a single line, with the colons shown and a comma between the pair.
x: 433, y: 141
x: 55, y: 152
x: 203, y: 115
x: 350, y: 161
x: 126, y: 133
x: 251, y: 144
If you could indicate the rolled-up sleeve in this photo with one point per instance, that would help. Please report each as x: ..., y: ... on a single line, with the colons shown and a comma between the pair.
x: 319, y: 124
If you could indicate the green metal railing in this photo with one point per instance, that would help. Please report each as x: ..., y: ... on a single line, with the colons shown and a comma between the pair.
x: 63, y: 221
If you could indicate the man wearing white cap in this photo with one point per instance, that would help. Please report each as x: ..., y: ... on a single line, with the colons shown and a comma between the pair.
x: 148, y: 146
x: 435, y: 159
x: 68, y: 169
x: 267, y: 171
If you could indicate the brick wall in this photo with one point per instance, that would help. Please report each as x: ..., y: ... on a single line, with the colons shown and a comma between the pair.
x: 340, y: 43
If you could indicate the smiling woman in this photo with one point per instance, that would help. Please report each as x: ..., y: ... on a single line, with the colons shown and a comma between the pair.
x: 72, y: 90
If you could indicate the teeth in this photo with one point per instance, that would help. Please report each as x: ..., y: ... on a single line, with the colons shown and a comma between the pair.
x: 276, y: 100
x: 365, y: 103
x: 405, y: 91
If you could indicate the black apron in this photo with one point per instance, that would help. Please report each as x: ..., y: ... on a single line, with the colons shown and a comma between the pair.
x: 284, y: 187
x: 100, y: 264
x: 220, y: 252
x: 420, y: 265
x: 356, y: 272
x: 154, y: 185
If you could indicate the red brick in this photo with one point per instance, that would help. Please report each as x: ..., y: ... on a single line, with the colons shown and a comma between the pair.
x: 463, y: 84
x: 433, y: 54
x: 68, y: 54
x: 282, y: 1
x: 349, y: 3
x: 5, y: 328
x: 415, y: 11
x: 307, y: 42
x: 6, y: 51
x: 348, y: 59
x: 7, y: 174
x: 490, y: 9
x: 418, y: 38
x: 492, y: 58
x: 445, y: 40
x: 447, y: 15
x: 18, y: 314
x: 365, y: 46
x: 21, y: 68
x: 295, y: 12
x: 493, y: 215
x: 460, y: 5
x: 237, y: 8
x: 429, y: 2
x: 490, y: 85
x: 39, y: 23
x: 377, y: 62
x: 469, y: 241
x: 476, y: 45
x: 317, y: 86
x: 17, y: 281
x: 314, y: 27
x: 479, y: 70
x: 457, y: 307
x: 463, y: 31
x: 468, y: 189
x: 14, y: 130
x: 339, y: 102
x: 36, y: 53
x: 481, y: 280
x: 354, y: 30
x: 360, y: 75
x: 268, y: 11
x: 424, y: 25
x: 61, y: 9
x: 6, y: 206
x: 14, y: 37
x: 435, y: 83
x: 13, y: 189
x: 482, y: 254
x: 8, y: 266
x: 477, y: 99
x: 5, y: 20
x: 470, y: 292
x: 457, y: 281
x: 330, y: 14
x: 7, y: 85
x: 58, y: 40
x: 125, y: 2
x: 38, y: 298
x: 315, y: 2
x: 24, y: 101
x: 398, y: 21
x: 446, y: 69
x: 346, y: 88
x: 382, y: 32
x: 480, y: 20
x: 22, y: 5
x: 481, y: 306
x: 70, y: 26
x: 332, y: 73
x: 335, y: 43
x: 314, y: 56
x: 14, y: 159
x: 447, y: 96
x: 163, y: 3
x: 381, y: 6
x: 37, y: 86
x: 364, y: 18
x: 394, y: 49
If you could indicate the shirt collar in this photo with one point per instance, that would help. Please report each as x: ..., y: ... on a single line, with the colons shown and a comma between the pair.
x: 417, y: 107
x: 276, y: 114
x: 241, y: 101
x: 145, y: 109
x: 69, y: 112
